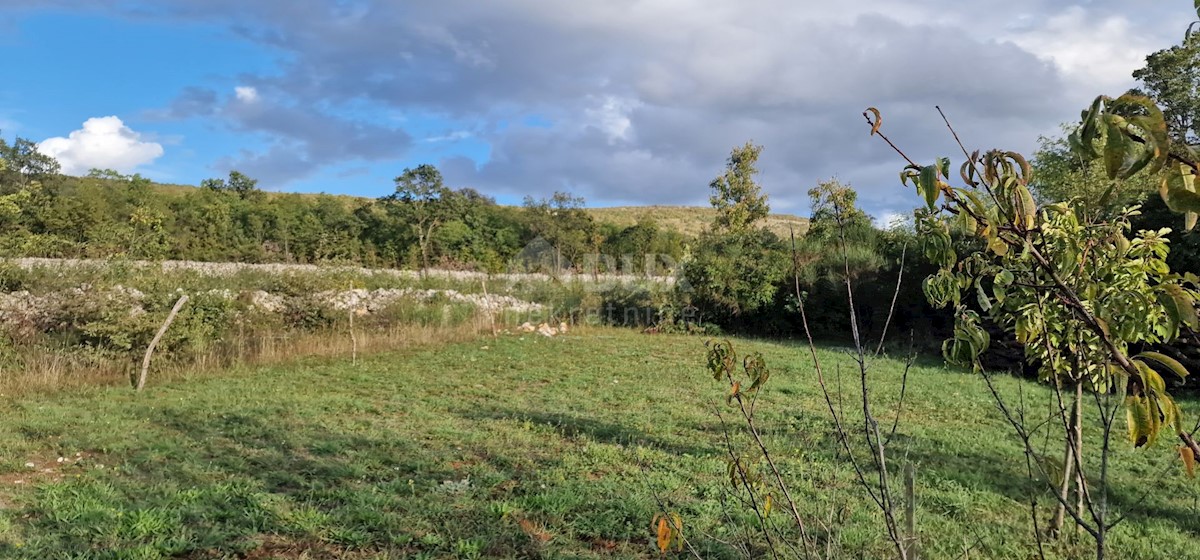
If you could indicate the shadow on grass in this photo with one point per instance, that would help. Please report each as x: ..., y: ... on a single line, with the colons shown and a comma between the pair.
x: 574, y: 426
x: 218, y: 485
x: 1005, y: 475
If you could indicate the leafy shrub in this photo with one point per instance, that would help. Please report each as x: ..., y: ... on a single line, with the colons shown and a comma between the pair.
x: 308, y: 313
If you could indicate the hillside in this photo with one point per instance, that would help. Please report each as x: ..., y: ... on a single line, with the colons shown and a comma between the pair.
x: 688, y: 220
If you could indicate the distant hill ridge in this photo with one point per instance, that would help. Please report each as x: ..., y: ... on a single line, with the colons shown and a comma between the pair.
x: 688, y: 220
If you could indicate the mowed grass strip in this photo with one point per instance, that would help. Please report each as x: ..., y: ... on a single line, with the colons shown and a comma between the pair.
x: 524, y: 447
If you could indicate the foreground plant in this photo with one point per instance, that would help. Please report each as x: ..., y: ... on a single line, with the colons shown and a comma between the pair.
x: 754, y: 474
x: 1074, y: 285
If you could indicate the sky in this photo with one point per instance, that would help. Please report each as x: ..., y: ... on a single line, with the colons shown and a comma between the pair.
x: 623, y: 102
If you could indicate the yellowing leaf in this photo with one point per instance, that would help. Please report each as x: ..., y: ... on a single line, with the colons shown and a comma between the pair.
x: 1189, y: 460
x: 668, y: 530
x: 1153, y: 382
x: 1167, y: 361
x: 878, y: 120
x: 663, y: 533
x: 1024, y: 208
x: 1141, y: 420
x: 767, y: 506
x: 678, y: 531
x: 998, y: 246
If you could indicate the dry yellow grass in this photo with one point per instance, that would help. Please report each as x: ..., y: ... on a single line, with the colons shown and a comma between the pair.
x: 688, y: 220
x: 48, y: 370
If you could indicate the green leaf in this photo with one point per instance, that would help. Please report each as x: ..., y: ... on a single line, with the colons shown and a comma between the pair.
x: 1115, y: 147
x: 984, y: 303
x: 943, y: 165
x: 927, y: 182
x: 1000, y: 285
x: 1173, y: 414
x: 1024, y: 208
x: 1146, y: 124
x: 998, y: 246
x: 1178, y: 191
x: 721, y: 358
x: 1151, y: 379
x: 1084, y: 139
x: 1167, y: 362
x: 756, y: 369
x: 1180, y: 306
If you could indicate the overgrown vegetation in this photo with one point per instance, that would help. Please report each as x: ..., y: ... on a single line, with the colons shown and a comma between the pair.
x: 67, y: 324
x: 423, y: 223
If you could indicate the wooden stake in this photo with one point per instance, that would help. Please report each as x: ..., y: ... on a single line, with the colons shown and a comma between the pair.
x: 158, y: 336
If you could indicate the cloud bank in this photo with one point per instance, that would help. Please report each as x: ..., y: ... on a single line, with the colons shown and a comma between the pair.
x: 640, y: 101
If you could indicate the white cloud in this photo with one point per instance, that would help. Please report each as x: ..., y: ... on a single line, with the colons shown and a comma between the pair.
x: 611, y: 116
x: 102, y: 143
x: 1096, y: 53
x: 246, y: 94
x: 889, y: 219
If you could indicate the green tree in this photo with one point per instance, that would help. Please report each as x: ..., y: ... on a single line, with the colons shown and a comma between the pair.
x: 737, y: 267
x: 840, y: 239
x: 423, y: 202
x: 24, y: 165
x: 563, y: 223
x: 1061, y: 175
x: 1171, y: 77
x: 739, y: 201
x: 238, y: 183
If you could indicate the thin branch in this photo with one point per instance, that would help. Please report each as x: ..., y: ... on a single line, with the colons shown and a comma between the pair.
x: 895, y: 296
x: 885, y: 139
x: 775, y: 471
x: 662, y: 506
x: 741, y: 472
x: 900, y: 404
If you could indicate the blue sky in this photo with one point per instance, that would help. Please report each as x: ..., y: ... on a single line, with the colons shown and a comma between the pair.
x: 114, y: 66
x: 622, y: 102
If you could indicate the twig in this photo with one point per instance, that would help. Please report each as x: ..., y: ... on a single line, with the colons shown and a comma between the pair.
x: 662, y: 506
x: 895, y: 296
x: 741, y: 472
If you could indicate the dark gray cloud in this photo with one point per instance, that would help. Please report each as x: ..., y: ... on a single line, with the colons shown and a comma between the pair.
x: 301, y: 138
x: 641, y: 100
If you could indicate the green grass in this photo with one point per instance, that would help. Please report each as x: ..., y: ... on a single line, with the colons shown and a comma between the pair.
x: 520, y: 447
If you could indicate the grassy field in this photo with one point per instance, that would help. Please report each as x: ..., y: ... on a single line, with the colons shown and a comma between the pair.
x: 517, y: 447
x: 689, y: 220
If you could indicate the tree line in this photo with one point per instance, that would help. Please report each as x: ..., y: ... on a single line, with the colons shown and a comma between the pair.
x: 423, y: 223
